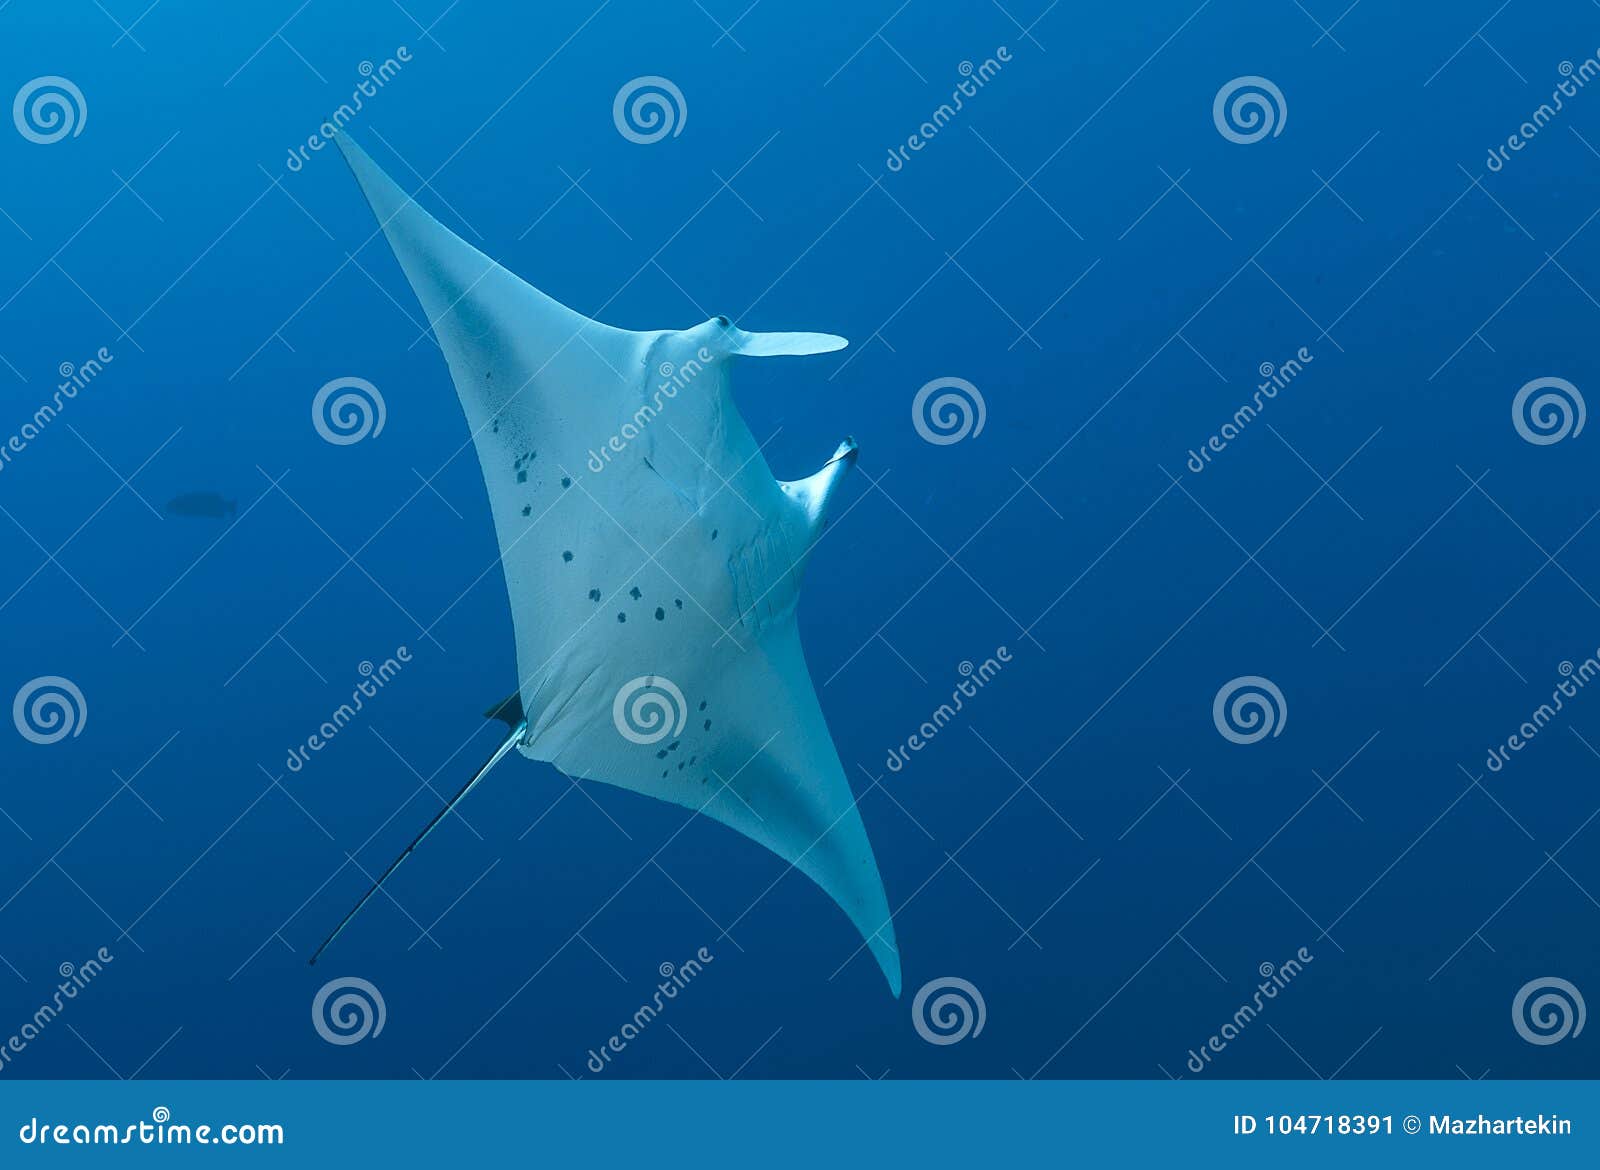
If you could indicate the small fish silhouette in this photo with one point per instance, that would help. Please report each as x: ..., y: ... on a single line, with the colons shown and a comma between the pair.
x: 205, y: 504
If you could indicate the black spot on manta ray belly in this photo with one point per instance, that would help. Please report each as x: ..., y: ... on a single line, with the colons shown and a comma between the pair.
x: 594, y: 595
x: 527, y: 509
x: 661, y: 614
x: 634, y: 593
x: 567, y: 556
x: 566, y: 481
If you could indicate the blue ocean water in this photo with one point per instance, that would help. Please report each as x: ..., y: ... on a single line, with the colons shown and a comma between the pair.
x: 1105, y: 268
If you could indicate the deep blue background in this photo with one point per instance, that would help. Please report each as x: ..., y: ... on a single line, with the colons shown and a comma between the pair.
x: 228, y: 300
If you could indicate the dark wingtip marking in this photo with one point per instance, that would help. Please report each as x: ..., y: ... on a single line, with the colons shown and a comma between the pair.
x: 507, y: 710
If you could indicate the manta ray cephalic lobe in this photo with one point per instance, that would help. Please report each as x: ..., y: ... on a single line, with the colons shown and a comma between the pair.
x: 652, y: 560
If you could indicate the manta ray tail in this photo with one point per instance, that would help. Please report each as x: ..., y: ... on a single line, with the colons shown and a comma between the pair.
x: 510, y: 711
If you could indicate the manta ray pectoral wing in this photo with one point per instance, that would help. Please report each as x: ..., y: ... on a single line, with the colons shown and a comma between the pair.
x: 514, y: 353
x: 745, y: 744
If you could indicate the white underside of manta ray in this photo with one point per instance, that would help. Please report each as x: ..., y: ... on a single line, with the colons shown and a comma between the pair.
x: 653, y: 599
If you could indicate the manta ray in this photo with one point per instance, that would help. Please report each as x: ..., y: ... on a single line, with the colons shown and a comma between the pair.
x: 652, y: 560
